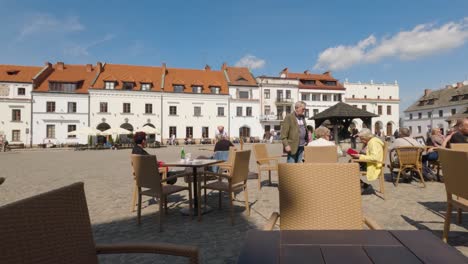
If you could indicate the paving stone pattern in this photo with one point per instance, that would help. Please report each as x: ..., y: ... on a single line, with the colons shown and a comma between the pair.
x: 109, y: 184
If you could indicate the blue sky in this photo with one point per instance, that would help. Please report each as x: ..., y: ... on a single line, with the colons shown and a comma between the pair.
x: 421, y: 44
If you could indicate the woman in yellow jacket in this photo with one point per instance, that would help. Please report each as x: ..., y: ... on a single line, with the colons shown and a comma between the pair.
x: 374, y: 152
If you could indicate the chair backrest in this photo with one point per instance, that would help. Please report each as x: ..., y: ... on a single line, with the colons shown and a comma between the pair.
x: 320, y: 196
x: 240, y: 169
x: 260, y: 151
x: 459, y: 146
x: 146, y: 171
x: 454, y: 168
x: 53, y: 227
x: 409, y: 155
x: 320, y: 154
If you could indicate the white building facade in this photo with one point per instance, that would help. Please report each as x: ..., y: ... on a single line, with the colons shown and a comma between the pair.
x: 379, y: 98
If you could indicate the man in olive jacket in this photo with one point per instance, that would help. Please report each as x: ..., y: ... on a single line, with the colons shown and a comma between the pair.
x: 294, y: 133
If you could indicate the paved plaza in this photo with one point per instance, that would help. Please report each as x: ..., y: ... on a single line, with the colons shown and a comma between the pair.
x: 109, y: 184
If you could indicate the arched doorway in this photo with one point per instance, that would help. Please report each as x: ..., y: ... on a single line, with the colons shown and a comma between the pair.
x: 127, y: 138
x: 151, y: 137
x: 389, y: 128
x: 149, y: 124
x: 244, y: 132
x: 103, y: 127
x: 127, y: 126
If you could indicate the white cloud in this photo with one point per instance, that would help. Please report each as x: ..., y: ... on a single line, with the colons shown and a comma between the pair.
x: 422, y: 40
x: 251, y: 62
x: 78, y: 50
x: 41, y: 23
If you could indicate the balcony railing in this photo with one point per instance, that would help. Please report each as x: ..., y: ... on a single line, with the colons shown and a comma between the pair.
x: 271, y: 117
x: 284, y: 101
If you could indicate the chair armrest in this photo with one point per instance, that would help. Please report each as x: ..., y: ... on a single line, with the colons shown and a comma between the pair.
x: 271, y: 222
x: 267, y: 160
x: 371, y: 223
x: 156, y: 248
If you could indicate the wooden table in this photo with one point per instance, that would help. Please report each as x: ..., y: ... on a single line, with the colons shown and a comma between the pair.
x: 350, y: 246
x: 200, y: 163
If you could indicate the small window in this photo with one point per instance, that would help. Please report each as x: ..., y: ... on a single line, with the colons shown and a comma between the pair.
x: 16, y: 135
x: 453, y: 111
x: 248, y: 111
x: 214, y: 89
x: 103, y: 107
x: 110, y: 85
x: 429, y: 114
x: 205, y: 132
x: 364, y: 107
x: 148, y: 108
x: 173, y: 110
x: 305, y: 96
x: 239, y: 111
x: 244, y: 95
x: 188, y: 132
x: 329, y: 83
x: 71, y: 107
x: 13, y: 72
x: 308, y: 82
x: 197, y: 110
x: 196, y: 89
x: 220, y: 111
x: 126, y: 108
x: 146, y: 86
x: 128, y: 86
x: 267, y: 93
x: 325, y: 97
x: 16, y: 115
x: 71, y: 128
x: 315, y: 97
x: 379, y: 109
x: 173, y: 131
x: 430, y: 102
x: 288, y: 94
x: 411, y: 116
x: 389, y: 109
x: 178, y: 88
x: 21, y: 91
x: 441, y: 113
x: 337, y: 97
x: 50, y: 132
x: 267, y: 110
x: 419, y: 115
x: 50, y: 107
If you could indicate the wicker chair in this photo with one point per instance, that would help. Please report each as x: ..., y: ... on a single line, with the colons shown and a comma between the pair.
x: 459, y: 146
x: 54, y: 227
x: 236, y: 180
x: 147, y: 176
x: 325, y: 154
x: 319, y: 196
x: 409, y: 158
x: 381, y: 176
x: 454, y: 167
x: 163, y: 173
x: 264, y: 162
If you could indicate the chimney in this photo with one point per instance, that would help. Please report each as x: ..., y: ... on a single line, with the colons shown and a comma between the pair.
x: 60, y: 65
x: 89, y: 68
x: 327, y: 73
x: 306, y: 72
x: 224, y: 66
x: 427, y: 92
x: 207, y: 67
x: 459, y: 84
x: 164, y: 68
x: 48, y: 64
x: 99, y: 67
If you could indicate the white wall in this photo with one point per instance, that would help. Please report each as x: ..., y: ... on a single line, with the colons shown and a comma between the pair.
x: 60, y: 118
x: 185, y: 104
x: 253, y: 122
x: 9, y: 100
x: 115, y: 116
x: 319, y: 105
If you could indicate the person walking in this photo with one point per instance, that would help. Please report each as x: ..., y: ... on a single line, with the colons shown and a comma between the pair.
x: 294, y: 134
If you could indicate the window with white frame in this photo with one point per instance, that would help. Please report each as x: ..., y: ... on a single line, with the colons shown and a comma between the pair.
x: 21, y: 91
x: 215, y: 89
x: 239, y: 111
x: 337, y: 97
x: 189, y: 132
x: 148, y: 108
x: 109, y: 85
x: 205, y: 132
x: 197, y: 111
x: 50, y: 131
x: 315, y: 97
x: 248, y: 111
x: 16, y: 135
x: 173, y: 131
x: 243, y: 94
x: 103, y: 107
x: 71, y: 128
x: 16, y: 115
x: 126, y: 108
x: 178, y: 88
x: 220, y: 111
x: 50, y: 107
x: 266, y: 110
x: 266, y: 93
x: 196, y: 89
x: 173, y: 110
x: 71, y: 107
x: 146, y: 86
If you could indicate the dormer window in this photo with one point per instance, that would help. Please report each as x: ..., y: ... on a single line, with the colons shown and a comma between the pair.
x: 178, y: 88
x: 430, y: 102
x: 241, y: 79
x: 329, y: 83
x: 214, y: 89
x: 128, y: 85
x: 146, y: 86
x: 421, y: 103
x: 13, y: 72
x: 309, y: 82
x: 110, y: 85
x: 196, y: 89
x: 63, y: 87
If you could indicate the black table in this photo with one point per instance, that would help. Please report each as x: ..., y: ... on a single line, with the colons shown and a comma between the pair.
x: 199, y: 163
x: 349, y: 246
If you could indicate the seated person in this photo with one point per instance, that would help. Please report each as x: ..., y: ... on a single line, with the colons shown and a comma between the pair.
x: 374, y: 152
x: 323, y: 135
x: 405, y: 140
x: 460, y: 134
x: 436, y: 137
x: 223, y: 143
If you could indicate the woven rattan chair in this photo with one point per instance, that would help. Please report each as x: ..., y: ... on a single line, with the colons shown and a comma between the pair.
x: 319, y: 196
x: 149, y: 183
x: 459, y: 146
x: 234, y: 180
x: 454, y: 168
x: 381, y: 176
x: 265, y: 163
x: 409, y: 158
x: 54, y: 227
x: 163, y: 173
x: 320, y: 154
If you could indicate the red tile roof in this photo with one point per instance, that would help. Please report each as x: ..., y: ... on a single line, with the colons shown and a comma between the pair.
x: 320, y: 80
x: 130, y: 73
x: 69, y: 73
x: 189, y: 77
x: 20, y: 74
x: 240, y: 76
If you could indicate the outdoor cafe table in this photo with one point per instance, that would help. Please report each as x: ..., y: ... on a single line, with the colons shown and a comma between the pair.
x: 199, y: 163
x: 347, y: 246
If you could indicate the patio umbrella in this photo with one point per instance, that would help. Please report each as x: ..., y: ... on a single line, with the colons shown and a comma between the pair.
x: 149, y: 130
x: 116, y: 131
x: 85, y: 131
